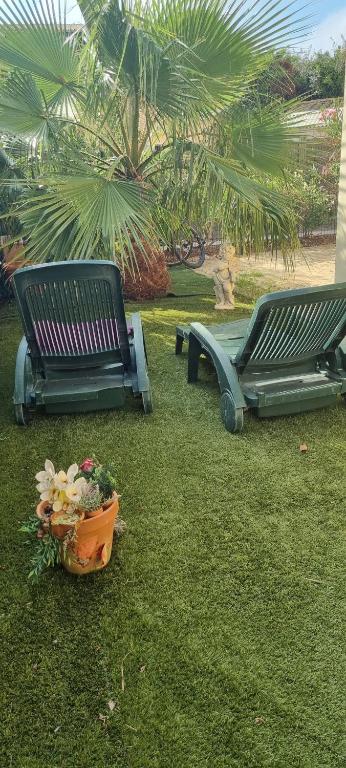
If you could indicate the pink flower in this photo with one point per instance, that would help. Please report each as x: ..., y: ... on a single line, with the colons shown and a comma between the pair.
x: 328, y: 114
x: 87, y: 465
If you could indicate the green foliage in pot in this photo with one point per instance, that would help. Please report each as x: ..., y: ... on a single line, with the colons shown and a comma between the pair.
x: 47, y: 551
x: 91, y: 499
x: 102, y: 475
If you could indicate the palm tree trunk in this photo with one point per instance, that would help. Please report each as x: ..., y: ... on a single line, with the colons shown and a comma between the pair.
x: 134, y: 126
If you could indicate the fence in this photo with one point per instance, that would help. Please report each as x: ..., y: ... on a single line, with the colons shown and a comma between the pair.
x: 326, y: 231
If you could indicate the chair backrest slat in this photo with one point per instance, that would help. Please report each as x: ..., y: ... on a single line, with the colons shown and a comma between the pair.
x: 73, y: 311
x: 295, y: 325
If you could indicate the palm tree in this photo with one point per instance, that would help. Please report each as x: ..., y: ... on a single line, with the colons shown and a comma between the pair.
x: 139, y: 120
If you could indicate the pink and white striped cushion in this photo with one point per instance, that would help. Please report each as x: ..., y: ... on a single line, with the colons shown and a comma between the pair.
x: 64, y: 339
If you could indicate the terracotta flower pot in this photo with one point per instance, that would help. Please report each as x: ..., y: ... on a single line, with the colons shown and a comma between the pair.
x: 41, y: 510
x: 61, y: 524
x: 92, y: 548
x: 107, y: 503
x: 94, y: 513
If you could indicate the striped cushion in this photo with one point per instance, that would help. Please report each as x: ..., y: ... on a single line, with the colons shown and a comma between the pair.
x: 65, y: 339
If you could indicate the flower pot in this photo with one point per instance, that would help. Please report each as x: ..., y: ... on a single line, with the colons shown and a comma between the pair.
x: 110, y: 501
x: 61, y: 524
x: 94, y: 513
x: 44, y: 511
x: 41, y: 510
x: 92, y: 547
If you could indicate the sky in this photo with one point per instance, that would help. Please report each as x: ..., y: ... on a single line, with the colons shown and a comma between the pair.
x: 331, y: 24
x: 328, y: 25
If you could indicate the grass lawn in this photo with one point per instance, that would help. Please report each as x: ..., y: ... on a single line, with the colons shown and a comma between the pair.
x: 186, y: 282
x: 222, y: 612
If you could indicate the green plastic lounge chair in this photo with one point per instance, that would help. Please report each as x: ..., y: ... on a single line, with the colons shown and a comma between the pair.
x: 341, y: 353
x: 284, y: 359
x: 78, y: 352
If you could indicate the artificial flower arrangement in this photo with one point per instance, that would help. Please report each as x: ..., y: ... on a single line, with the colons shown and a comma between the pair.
x: 75, y: 519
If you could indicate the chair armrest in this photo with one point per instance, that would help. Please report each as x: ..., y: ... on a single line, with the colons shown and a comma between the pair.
x: 142, y: 379
x: 226, y: 372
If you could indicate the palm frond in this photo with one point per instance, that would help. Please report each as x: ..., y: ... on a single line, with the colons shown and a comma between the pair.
x: 135, y: 59
x: 225, y: 46
x: 206, y: 188
x: 34, y: 39
x: 254, y: 215
x: 261, y: 139
x: 88, y: 214
x: 22, y: 109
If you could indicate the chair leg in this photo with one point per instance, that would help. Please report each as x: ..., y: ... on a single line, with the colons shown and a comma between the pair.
x: 195, y: 351
x: 179, y: 344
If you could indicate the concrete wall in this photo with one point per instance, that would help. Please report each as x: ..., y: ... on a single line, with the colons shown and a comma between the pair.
x: 340, y: 264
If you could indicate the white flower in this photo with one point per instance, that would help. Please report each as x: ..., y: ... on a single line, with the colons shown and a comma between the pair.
x: 60, y: 489
x: 45, y: 477
x: 60, y: 480
x: 45, y: 495
x: 45, y: 480
x: 72, y: 472
x: 75, y: 490
x: 48, y: 472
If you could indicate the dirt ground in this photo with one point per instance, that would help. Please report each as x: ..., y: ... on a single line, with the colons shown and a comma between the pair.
x: 313, y: 266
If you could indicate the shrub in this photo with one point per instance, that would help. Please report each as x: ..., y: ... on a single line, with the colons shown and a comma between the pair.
x: 313, y: 203
x: 150, y: 279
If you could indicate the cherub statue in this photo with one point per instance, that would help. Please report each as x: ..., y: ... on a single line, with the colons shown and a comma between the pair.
x: 223, y: 279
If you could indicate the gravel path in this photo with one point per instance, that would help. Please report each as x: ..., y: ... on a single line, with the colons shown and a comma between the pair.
x: 314, y: 266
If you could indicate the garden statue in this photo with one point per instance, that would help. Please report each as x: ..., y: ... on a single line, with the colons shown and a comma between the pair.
x: 223, y: 279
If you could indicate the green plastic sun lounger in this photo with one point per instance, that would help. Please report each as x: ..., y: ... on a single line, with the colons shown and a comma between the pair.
x: 287, y: 358
x: 78, y: 352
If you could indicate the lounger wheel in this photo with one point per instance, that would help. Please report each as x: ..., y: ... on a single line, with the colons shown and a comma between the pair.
x: 232, y: 417
x: 20, y: 414
x: 147, y: 401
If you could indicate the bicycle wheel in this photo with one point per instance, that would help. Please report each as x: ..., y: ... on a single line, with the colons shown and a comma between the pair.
x: 172, y: 255
x: 194, y: 253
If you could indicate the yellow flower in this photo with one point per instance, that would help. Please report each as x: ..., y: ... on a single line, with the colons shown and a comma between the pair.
x: 58, y: 503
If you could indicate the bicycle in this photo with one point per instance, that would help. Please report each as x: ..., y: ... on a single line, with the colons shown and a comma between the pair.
x: 190, y: 253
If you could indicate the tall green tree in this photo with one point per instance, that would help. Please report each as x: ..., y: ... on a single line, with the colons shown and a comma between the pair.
x: 326, y: 72
x: 139, y: 120
x: 316, y: 75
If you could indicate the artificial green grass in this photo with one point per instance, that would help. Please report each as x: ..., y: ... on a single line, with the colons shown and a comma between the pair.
x: 187, y: 282
x: 222, y: 611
